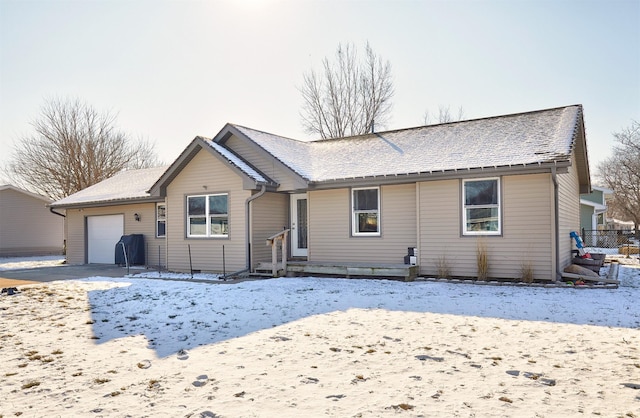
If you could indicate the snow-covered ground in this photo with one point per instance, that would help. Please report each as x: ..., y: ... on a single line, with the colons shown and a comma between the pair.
x: 16, y: 263
x: 137, y: 346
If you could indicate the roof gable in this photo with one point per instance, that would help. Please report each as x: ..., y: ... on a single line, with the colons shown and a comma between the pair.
x: 597, y: 195
x: 273, y: 146
x: 252, y: 177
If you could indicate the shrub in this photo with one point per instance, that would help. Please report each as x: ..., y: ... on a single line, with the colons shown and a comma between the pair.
x: 526, y: 271
x: 442, y: 265
x: 482, y: 260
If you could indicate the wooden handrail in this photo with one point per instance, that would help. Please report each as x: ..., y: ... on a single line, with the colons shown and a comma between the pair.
x: 272, y: 237
x: 272, y: 241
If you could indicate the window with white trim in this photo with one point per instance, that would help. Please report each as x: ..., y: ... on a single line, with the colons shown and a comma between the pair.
x: 161, y: 220
x: 481, y: 207
x: 365, y: 205
x: 208, y: 216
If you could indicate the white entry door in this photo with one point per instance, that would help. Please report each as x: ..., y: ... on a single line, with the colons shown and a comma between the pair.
x: 103, y: 233
x: 299, y: 225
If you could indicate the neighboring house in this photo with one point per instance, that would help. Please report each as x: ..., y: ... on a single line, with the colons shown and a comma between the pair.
x: 593, y: 209
x: 509, y: 183
x: 27, y: 227
x: 618, y: 225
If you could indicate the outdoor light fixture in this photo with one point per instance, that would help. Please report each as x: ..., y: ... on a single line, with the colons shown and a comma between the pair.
x: 136, y: 217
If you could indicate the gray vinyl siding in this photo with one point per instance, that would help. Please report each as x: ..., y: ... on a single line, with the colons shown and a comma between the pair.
x: 330, y: 226
x: 266, y: 163
x: 77, y: 236
x: 27, y: 227
x: 568, y: 212
x: 269, y: 215
x: 527, y: 229
x: 206, y: 174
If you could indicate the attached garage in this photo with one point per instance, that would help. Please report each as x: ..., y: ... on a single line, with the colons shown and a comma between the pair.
x: 103, y: 232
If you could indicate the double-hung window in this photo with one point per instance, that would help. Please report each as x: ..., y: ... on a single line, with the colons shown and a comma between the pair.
x: 208, y: 216
x: 161, y: 220
x: 365, y: 211
x: 481, y: 207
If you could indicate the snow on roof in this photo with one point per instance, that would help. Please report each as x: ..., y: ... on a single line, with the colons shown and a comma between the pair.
x: 236, y: 161
x: 544, y: 136
x: 293, y: 153
x: 619, y: 222
x: 126, y: 185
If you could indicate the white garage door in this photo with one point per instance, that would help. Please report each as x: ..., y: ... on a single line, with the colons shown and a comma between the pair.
x: 103, y: 232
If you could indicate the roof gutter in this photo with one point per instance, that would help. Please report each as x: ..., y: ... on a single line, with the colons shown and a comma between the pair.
x: 558, y: 166
x: 113, y: 202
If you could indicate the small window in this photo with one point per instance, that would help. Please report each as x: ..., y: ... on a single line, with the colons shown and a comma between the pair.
x: 161, y: 220
x: 481, y: 207
x: 366, y: 211
x: 207, y: 216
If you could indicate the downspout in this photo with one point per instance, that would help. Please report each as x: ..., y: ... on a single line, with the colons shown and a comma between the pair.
x: 56, y: 213
x: 64, y: 232
x: 557, y: 222
x: 248, y: 232
x: 250, y: 199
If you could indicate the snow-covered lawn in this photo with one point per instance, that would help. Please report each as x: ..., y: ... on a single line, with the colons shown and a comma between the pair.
x: 291, y: 347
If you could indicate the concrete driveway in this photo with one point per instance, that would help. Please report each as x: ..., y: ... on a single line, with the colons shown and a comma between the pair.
x: 19, y: 277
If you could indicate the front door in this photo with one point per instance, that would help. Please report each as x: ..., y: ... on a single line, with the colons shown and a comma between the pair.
x: 299, y: 225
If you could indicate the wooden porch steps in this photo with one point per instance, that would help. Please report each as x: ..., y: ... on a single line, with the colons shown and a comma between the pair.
x: 265, y: 268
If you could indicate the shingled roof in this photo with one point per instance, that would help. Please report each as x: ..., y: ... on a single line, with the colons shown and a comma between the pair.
x: 544, y: 137
x: 124, y: 187
x: 512, y: 142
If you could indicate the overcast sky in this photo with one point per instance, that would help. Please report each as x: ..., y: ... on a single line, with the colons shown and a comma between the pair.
x: 172, y: 70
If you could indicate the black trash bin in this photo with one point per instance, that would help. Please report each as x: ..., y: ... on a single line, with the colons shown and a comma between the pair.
x: 134, y: 246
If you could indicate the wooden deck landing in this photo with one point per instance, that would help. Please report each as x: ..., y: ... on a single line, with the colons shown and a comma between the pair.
x: 404, y: 271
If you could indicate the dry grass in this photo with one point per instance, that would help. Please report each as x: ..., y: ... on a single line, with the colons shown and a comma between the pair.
x: 443, y: 267
x: 31, y: 384
x: 526, y: 271
x: 628, y: 250
x: 403, y: 406
x: 482, y: 260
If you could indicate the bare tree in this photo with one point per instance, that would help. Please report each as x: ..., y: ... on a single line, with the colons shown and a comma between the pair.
x: 444, y: 115
x: 621, y: 173
x: 74, y: 146
x: 349, y: 96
